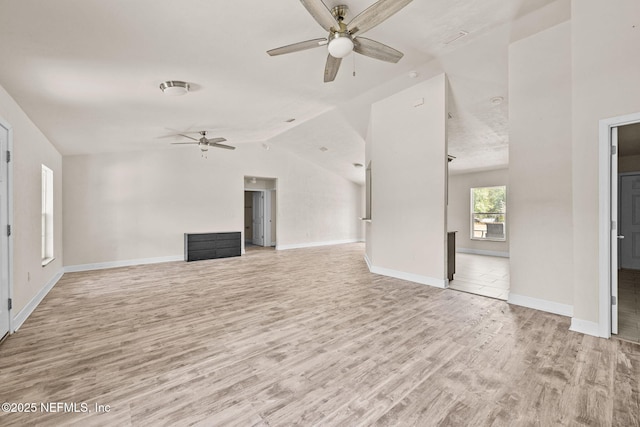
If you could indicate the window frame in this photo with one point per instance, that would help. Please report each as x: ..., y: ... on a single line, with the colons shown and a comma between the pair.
x: 472, y: 215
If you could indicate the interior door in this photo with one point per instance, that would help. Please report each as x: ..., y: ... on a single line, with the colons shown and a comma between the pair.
x: 258, y: 218
x: 629, y: 222
x: 4, y: 240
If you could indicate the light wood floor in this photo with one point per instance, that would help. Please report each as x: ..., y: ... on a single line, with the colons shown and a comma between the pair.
x: 306, y: 337
x: 629, y: 307
x: 482, y: 275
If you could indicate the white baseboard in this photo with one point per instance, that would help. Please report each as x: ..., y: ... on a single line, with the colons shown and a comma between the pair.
x: 483, y: 252
x: 125, y: 263
x: 366, y: 259
x: 315, y: 244
x: 585, y: 327
x: 20, y: 318
x: 416, y: 278
x: 541, y: 304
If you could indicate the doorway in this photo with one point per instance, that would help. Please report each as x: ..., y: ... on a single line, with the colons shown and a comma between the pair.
x: 259, y: 213
x: 627, y: 324
x: 477, y: 214
x: 620, y: 227
x: 254, y: 218
x: 5, y: 239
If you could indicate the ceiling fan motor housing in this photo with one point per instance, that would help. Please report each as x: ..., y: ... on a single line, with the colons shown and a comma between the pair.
x: 340, y: 12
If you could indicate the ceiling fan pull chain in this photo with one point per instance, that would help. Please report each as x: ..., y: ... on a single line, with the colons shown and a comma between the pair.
x: 354, y: 65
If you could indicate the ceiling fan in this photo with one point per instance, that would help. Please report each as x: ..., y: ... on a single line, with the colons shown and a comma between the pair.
x: 205, y: 142
x: 345, y: 38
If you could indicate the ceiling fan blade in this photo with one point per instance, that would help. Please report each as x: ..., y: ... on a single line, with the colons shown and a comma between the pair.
x: 296, y: 47
x: 174, y: 143
x: 215, y: 140
x: 187, y: 136
x: 226, y: 147
x: 377, y: 50
x: 375, y: 14
x: 331, y: 68
x: 320, y: 13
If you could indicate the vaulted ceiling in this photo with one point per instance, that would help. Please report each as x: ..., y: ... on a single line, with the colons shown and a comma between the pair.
x: 87, y: 72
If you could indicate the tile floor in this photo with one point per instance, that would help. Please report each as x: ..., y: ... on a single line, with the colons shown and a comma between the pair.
x: 629, y: 305
x: 481, y: 275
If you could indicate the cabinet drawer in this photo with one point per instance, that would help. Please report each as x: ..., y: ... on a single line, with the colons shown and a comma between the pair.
x: 229, y: 252
x: 202, y: 245
x: 207, y: 237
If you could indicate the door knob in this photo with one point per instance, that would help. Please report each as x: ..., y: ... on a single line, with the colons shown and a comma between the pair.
x: 620, y: 237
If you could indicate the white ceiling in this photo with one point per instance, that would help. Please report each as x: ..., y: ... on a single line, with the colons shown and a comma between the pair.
x: 87, y: 73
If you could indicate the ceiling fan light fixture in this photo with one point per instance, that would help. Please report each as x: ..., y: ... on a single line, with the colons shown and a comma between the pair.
x: 174, y: 87
x: 340, y: 45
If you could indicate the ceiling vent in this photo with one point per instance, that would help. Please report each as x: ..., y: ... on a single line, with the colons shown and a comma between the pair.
x: 458, y: 36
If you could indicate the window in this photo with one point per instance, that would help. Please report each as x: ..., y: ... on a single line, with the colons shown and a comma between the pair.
x: 488, y: 213
x: 47, y: 215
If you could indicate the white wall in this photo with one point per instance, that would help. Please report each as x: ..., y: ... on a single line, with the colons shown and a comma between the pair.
x: 137, y: 205
x: 606, y: 66
x: 459, y: 210
x: 407, y: 234
x: 539, y: 193
x: 31, y: 149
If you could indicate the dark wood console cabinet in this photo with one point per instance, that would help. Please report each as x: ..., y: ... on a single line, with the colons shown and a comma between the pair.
x: 451, y: 254
x: 200, y: 246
